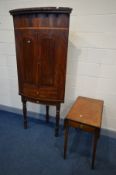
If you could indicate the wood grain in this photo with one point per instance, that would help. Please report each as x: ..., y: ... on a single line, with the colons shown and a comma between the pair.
x: 41, y: 36
x: 87, y: 111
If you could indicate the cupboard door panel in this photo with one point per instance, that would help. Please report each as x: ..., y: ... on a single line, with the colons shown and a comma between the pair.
x: 41, y: 60
x: 52, y: 48
x: 47, y: 61
x: 26, y: 58
x: 61, y: 56
x: 47, y: 76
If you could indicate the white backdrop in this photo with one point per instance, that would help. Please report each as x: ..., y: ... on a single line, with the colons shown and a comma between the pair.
x: 91, y: 67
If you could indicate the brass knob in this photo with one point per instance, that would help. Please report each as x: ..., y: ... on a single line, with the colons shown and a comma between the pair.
x: 28, y: 41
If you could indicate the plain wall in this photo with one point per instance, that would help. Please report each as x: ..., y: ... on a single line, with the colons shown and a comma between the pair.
x: 91, y: 66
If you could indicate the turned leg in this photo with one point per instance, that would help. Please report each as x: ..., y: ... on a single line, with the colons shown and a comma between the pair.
x: 57, y: 120
x: 95, y: 139
x: 47, y: 113
x: 24, y: 112
x: 66, y: 130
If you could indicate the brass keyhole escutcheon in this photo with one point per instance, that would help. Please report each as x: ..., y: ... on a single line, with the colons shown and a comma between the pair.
x: 28, y: 41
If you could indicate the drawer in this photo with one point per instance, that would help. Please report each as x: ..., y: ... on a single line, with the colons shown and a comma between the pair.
x: 30, y: 92
x: 81, y: 126
x: 41, y: 94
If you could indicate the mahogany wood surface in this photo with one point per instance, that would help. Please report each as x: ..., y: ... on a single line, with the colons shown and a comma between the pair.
x: 41, y: 36
x: 86, y: 114
x: 87, y: 111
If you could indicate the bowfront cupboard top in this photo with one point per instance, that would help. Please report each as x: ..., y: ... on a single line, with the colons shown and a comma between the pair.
x: 41, y: 36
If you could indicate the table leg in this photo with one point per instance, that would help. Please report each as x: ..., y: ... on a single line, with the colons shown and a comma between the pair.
x: 24, y: 111
x: 57, y: 119
x: 66, y: 130
x: 95, y: 139
x: 47, y: 113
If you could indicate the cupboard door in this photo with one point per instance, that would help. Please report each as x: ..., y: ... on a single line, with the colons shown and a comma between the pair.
x: 26, y: 41
x: 52, y: 63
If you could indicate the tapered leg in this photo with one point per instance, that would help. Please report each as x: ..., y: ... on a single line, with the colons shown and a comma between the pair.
x: 66, y: 130
x: 95, y: 139
x: 57, y: 120
x: 24, y: 112
x: 47, y: 113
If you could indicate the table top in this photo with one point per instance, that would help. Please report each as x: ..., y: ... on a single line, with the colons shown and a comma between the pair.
x: 86, y: 111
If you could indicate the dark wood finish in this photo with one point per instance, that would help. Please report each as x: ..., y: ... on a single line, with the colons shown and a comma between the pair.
x: 86, y: 114
x: 24, y: 111
x: 41, y: 36
x: 57, y: 119
x: 66, y: 130
x: 95, y: 139
x: 59, y: 10
x: 47, y: 113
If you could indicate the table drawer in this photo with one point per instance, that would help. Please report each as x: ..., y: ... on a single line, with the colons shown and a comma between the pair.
x: 81, y: 126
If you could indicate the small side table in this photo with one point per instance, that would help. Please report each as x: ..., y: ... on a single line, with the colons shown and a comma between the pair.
x: 86, y: 114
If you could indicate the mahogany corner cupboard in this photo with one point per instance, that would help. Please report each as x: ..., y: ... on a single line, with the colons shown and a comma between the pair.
x: 41, y: 39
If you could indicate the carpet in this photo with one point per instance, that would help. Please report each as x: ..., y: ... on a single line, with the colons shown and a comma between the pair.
x: 36, y: 151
